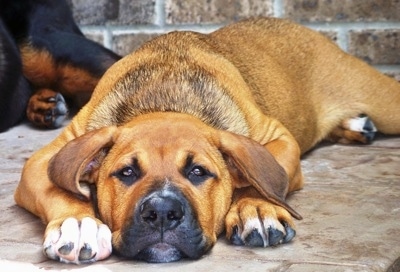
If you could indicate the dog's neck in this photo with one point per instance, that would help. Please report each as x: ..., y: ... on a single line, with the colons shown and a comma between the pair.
x: 191, y: 92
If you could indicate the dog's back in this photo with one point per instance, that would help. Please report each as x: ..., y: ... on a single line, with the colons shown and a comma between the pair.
x: 305, y: 81
x: 290, y: 72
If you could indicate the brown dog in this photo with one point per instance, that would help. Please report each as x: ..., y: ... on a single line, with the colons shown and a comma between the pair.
x: 195, y: 134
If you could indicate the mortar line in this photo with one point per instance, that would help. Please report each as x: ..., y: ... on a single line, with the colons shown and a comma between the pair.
x: 160, y: 13
x: 278, y: 9
x: 353, y: 25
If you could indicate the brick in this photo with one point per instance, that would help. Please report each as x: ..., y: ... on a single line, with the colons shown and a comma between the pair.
x: 376, y: 46
x: 99, y: 38
x: 214, y: 11
x: 124, y: 44
x: 113, y: 12
x: 136, y: 12
x: 342, y: 11
x: 92, y: 12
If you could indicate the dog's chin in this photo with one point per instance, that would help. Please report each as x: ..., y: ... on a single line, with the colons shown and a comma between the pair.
x: 160, y: 253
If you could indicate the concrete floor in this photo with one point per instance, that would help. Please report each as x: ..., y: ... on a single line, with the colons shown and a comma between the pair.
x: 350, y: 205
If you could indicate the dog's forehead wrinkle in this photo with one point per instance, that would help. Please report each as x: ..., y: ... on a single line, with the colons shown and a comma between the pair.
x: 162, y: 188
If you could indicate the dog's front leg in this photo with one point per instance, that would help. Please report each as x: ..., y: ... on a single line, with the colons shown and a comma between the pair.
x: 264, y: 172
x: 73, y: 233
x: 283, y: 147
x: 77, y: 239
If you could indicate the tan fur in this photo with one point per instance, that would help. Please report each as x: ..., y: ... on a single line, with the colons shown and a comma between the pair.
x: 280, y: 84
x: 49, y: 77
x: 42, y: 71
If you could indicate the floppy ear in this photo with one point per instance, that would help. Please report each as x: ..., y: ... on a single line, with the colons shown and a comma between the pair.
x: 76, y: 164
x: 251, y: 164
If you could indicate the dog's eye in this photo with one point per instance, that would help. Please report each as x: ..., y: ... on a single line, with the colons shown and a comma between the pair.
x: 198, y: 171
x: 128, y: 175
x: 127, y: 172
x: 198, y: 174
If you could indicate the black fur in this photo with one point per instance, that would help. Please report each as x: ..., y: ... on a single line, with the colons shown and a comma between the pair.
x: 46, y: 25
x: 14, y: 89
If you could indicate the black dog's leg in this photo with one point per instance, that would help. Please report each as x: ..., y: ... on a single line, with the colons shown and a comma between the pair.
x: 78, y: 65
x: 14, y: 88
x: 56, y: 57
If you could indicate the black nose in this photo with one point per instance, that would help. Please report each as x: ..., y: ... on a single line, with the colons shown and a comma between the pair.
x: 162, y: 213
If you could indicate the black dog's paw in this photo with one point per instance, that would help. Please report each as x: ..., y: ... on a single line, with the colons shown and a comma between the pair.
x: 47, y: 109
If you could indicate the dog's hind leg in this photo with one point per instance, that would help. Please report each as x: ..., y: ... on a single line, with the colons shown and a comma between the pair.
x: 378, y: 109
x: 361, y: 91
x: 382, y: 104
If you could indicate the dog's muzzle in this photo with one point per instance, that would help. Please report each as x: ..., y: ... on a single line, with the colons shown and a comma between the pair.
x: 164, y: 228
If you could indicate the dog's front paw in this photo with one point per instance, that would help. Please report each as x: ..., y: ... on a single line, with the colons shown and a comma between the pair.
x: 258, y: 223
x: 47, y: 109
x: 77, y: 242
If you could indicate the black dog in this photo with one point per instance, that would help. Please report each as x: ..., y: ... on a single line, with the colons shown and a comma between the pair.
x: 14, y: 89
x: 44, y: 57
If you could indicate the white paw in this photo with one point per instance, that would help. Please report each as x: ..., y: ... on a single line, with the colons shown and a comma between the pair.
x: 78, y: 242
x: 361, y: 124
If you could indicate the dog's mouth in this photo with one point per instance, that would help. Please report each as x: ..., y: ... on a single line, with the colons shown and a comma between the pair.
x: 163, y: 229
x: 160, y: 253
x: 186, y: 241
x: 156, y: 251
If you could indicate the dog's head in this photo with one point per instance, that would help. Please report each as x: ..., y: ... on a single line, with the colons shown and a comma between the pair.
x: 164, y: 182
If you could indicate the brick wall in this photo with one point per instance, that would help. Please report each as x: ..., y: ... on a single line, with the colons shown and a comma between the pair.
x: 369, y: 29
